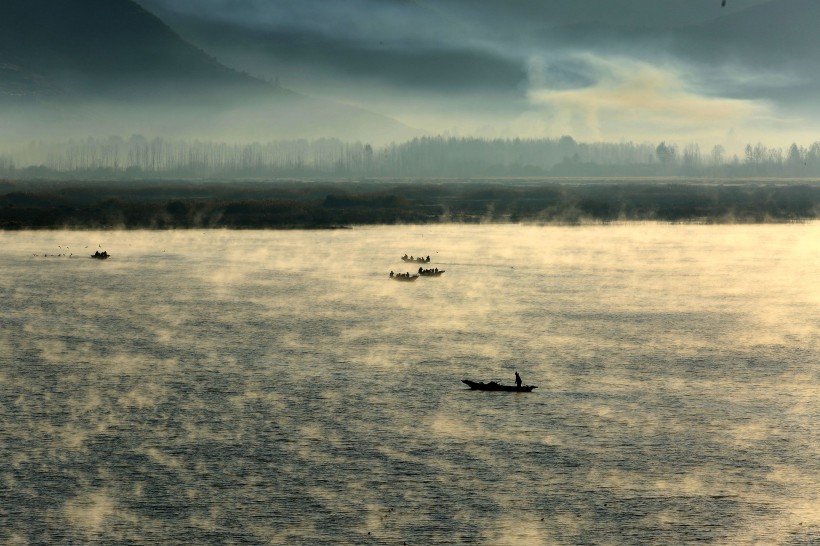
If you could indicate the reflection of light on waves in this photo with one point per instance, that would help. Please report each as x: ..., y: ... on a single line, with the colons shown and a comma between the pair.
x: 765, y: 407
x: 795, y: 522
x: 519, y: 529
x: 163, y: 459
x: 803, y: 510
x: 89, y: 511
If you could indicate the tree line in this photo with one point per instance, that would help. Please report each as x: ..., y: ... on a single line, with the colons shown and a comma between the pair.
x: 165, y: 204
x: 138, y: 157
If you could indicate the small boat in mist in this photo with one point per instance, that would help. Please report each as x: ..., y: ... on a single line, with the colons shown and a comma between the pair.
x: 430, y: 272
x: 493, y: 386
x: 407, y: 277
x: 100, y: 255
x: 419, y: 260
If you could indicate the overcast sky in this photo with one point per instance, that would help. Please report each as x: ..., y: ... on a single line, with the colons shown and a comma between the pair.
x: 640, y: 70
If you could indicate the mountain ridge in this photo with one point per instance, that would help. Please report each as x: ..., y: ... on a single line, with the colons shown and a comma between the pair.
x: 112, y: 65
x: 103, y: 46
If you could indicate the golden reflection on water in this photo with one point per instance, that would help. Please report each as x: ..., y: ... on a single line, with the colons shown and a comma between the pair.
x: 276, y: 387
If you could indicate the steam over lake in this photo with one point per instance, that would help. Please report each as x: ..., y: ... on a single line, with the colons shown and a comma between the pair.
x: 275, y: 387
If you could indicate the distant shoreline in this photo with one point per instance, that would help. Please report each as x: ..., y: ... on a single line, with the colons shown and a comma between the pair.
x: 323, y: 204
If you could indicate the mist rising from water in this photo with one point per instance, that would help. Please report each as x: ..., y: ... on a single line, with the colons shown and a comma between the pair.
x: 278, y: 387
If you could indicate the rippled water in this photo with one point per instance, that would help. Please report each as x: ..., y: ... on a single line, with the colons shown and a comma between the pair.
x: 267, y: 387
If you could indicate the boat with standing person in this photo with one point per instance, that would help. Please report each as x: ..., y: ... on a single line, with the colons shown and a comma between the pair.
x: 493, y: 386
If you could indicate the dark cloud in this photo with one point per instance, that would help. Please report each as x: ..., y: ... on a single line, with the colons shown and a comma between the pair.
x: 524, y: 58
x: 364, y: 21
x: 447, y: 44
x: 285, y: 51
x: 402, y: 16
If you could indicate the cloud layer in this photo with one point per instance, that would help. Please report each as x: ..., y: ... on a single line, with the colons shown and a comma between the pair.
x: 690, y: 71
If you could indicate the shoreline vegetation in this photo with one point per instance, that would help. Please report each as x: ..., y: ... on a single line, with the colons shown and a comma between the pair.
x: 328, y: 204
x: 158, y: 183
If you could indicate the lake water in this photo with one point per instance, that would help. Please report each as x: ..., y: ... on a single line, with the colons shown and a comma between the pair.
x: 275, y: 387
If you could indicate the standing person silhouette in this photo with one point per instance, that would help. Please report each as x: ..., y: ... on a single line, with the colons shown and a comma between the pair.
x: 517, y: 380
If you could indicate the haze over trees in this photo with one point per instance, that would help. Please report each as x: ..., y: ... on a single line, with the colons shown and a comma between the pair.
x: 138, y: 156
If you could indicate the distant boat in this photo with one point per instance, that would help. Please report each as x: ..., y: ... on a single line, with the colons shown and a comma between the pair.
x: 100, y: 255
x: 403, y: 277
x: 493, y: 386
x: 418, y: 260
x: 430, y: 272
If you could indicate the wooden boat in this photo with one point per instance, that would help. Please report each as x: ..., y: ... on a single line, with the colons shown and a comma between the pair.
x: 430, y: 272
x: 493, y: 386
x: 101, y: 255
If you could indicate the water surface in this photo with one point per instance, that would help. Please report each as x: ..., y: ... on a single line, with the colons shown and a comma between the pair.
x: 274, y: 387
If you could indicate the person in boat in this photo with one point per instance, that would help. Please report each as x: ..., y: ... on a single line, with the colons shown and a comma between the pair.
x: 517, y: 380
x: 391, y: 274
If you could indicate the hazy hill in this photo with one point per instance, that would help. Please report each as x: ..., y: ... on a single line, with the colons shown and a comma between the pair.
x: 105, y: 47
x: 92, y: 66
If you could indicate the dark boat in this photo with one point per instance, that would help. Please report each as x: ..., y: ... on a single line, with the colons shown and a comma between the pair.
x: 430, y: 272
x: 406, y: 277
x: 100, y: 255
x: 493, y: 386
x: 418, y: 260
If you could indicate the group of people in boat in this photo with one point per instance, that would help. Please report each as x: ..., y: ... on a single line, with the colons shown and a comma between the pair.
x: 101, y: 255
x: 419, y: 259
x: 422, y: 272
